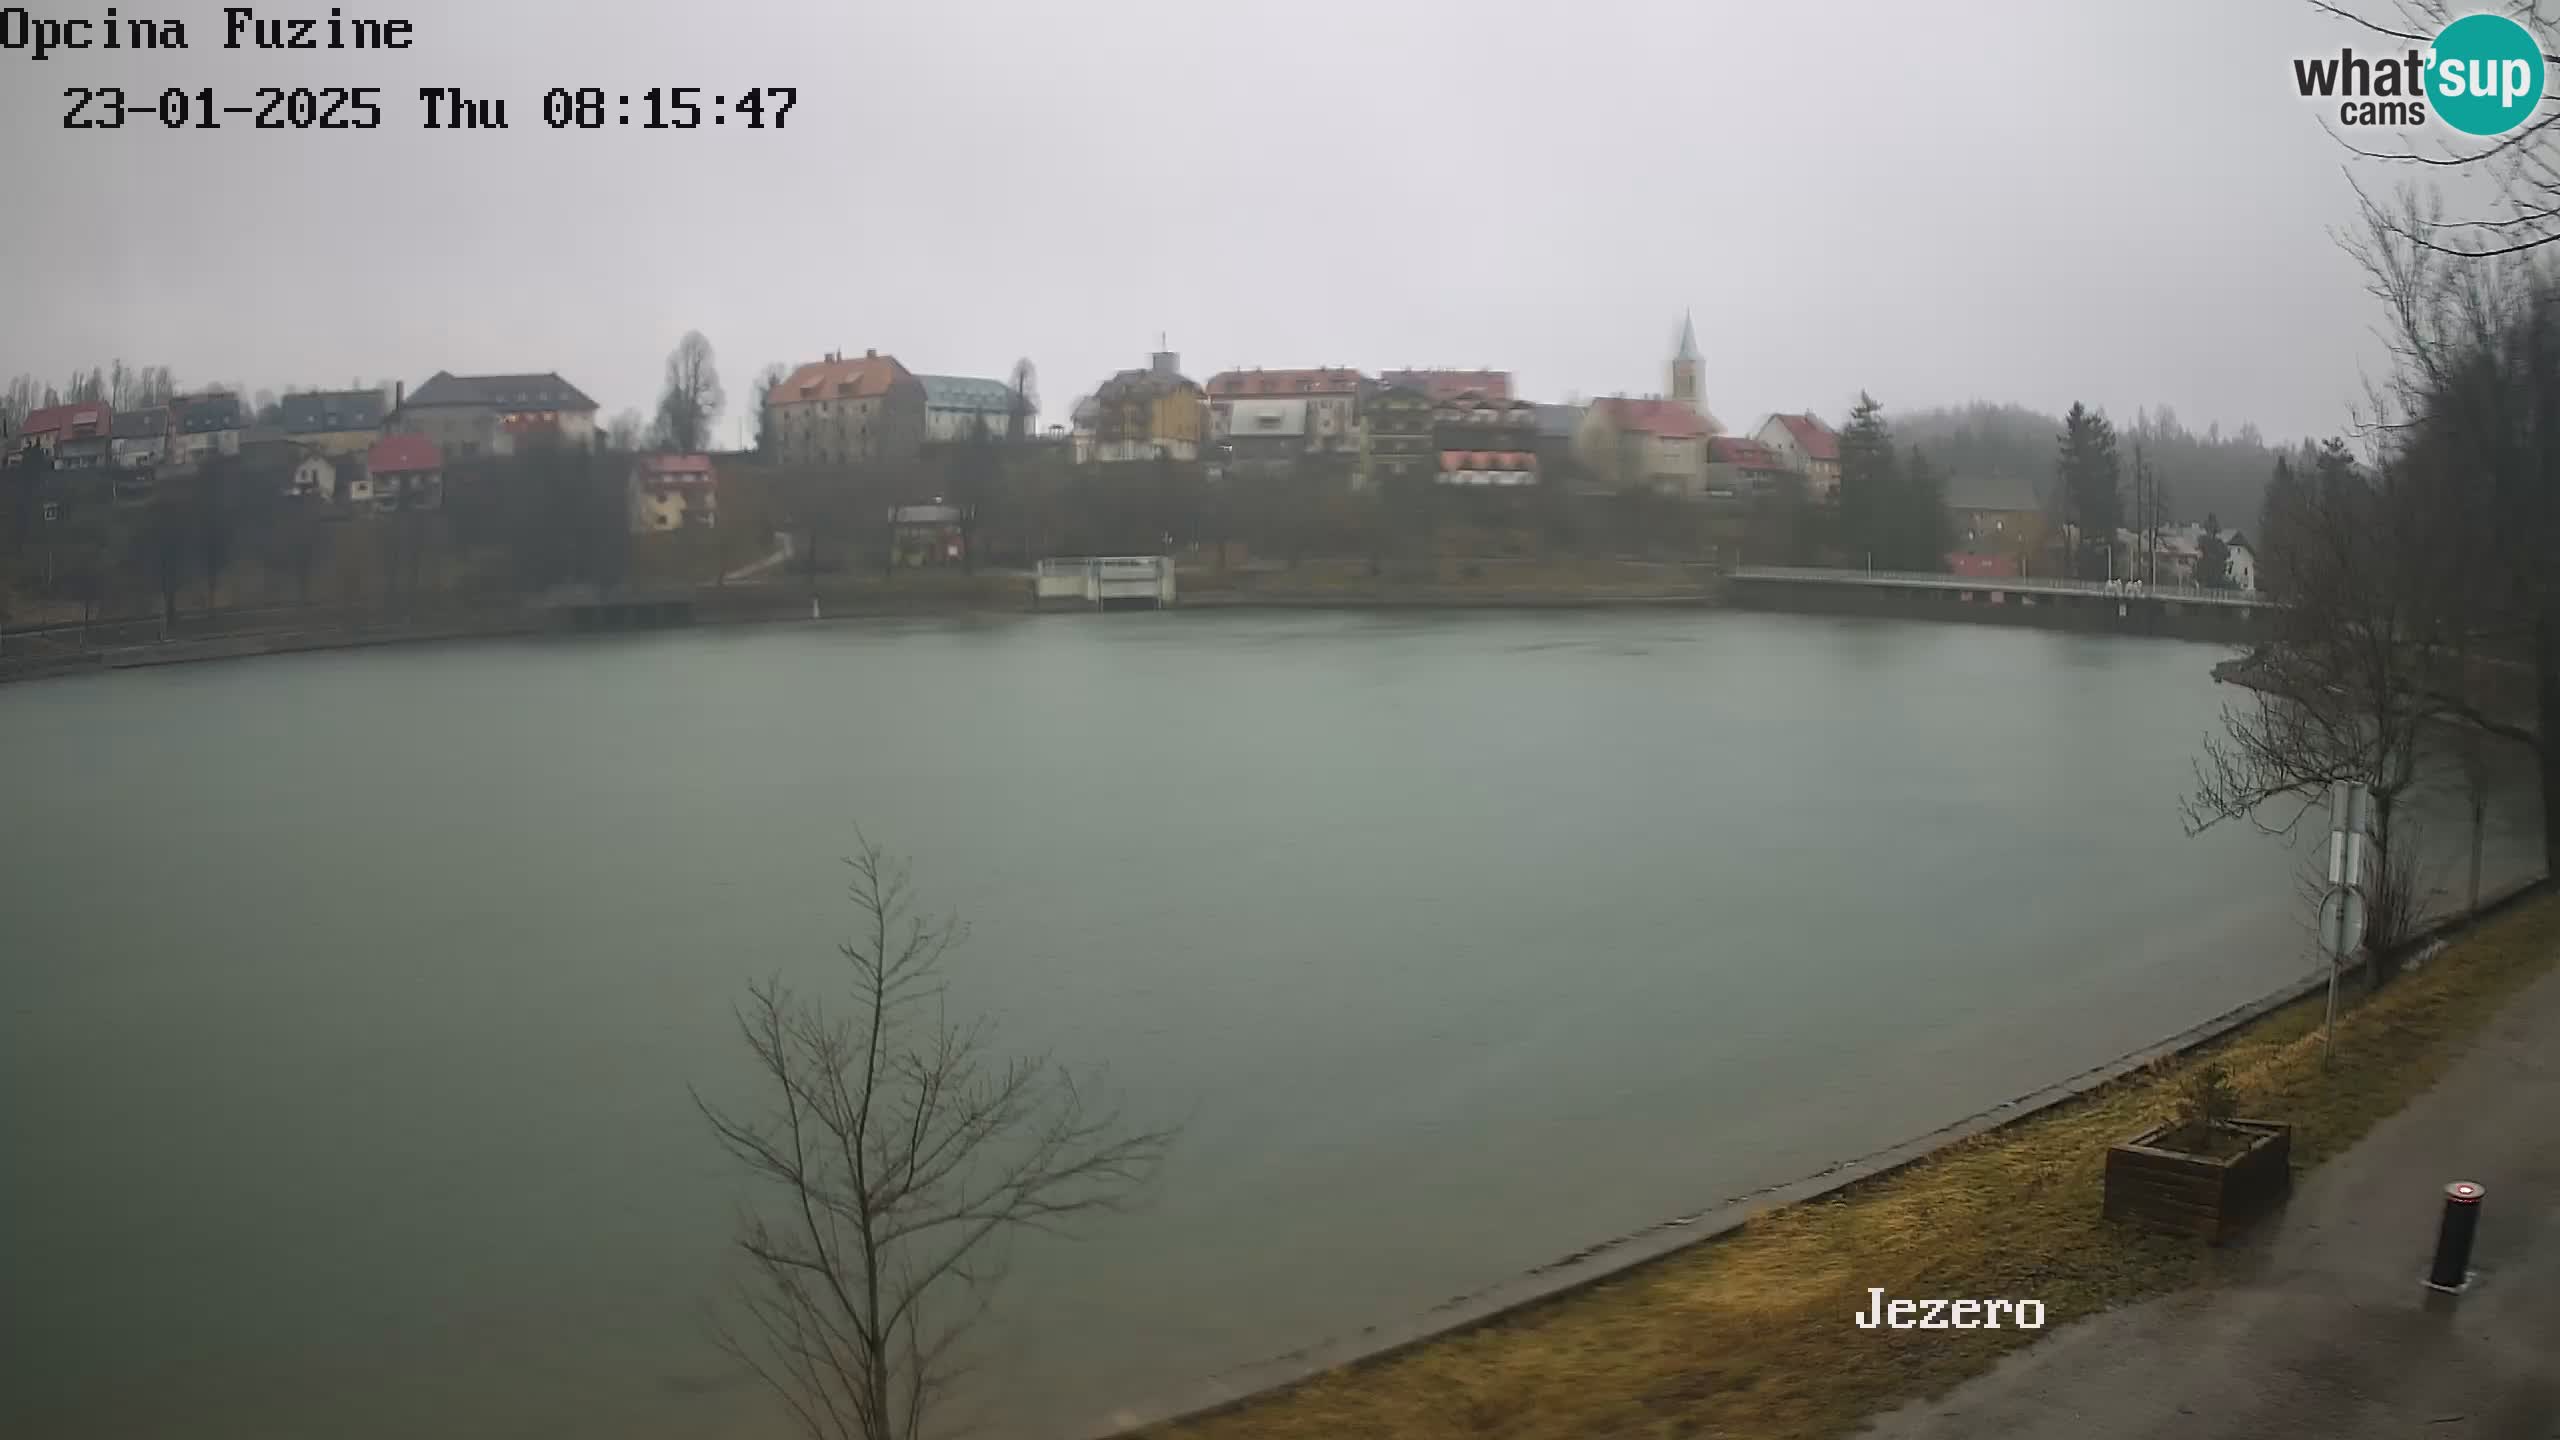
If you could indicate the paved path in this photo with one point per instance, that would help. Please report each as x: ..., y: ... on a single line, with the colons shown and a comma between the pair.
x: 2331, y: 1333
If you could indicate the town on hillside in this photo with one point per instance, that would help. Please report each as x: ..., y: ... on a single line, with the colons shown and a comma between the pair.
x: 127, y: 488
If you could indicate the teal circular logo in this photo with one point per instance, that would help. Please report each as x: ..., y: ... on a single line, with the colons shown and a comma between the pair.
x: 2485, y: 75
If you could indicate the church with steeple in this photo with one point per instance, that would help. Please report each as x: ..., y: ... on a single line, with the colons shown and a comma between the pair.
x: 1684, y: 367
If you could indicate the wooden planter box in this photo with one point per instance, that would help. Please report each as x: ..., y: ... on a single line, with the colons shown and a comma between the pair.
x: 2199, y: 1194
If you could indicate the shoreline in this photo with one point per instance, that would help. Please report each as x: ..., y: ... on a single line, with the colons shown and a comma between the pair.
x: 885, y: 604
x: 1271, y: 1381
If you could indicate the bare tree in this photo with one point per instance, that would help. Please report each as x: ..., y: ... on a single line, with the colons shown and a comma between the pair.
x: 2517, y: 175
x: 2353, y: 674
x: 902, y: 1154
x: 692, y: 399
x: 627, y: 432
x: 2473, y: 402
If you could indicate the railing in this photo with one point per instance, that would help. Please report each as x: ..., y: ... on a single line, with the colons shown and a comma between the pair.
x: 2185, y: 592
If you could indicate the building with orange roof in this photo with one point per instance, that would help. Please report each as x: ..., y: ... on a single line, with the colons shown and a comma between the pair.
x: 837, y: 411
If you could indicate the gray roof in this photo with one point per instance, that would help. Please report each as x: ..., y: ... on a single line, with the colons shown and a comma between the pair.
x: 142, y: 424
x: 322, y: 410
x: 500, y: 392
x: 1560, y: 421
x: 198, y: 414
x: 966, y: 392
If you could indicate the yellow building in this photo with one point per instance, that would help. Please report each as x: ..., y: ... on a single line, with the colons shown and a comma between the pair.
x: 1155, y: 413
x: 673, y: 492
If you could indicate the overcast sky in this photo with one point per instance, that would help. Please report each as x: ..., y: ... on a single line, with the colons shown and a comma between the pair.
x: 2024, y: 200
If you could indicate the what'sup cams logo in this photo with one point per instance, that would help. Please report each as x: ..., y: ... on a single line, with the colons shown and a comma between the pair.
x: 2483, y: 76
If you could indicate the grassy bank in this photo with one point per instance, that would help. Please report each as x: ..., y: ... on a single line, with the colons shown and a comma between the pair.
x: 1751, y: 1334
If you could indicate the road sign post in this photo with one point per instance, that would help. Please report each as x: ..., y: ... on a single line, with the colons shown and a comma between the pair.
x: 2342, y: 910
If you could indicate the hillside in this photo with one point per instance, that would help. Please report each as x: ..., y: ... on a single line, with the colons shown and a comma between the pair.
x: 2003, y: 456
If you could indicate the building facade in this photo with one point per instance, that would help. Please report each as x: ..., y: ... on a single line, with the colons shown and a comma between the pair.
x: 959, y: 406
x: 1739, y: 468
x: 318, y: 474
x: 1484, y: 439
x: 469, y: 416
x: 335, y: 422
x: 1328, y: 399
x: 402, y: 472
x: 1809, y: 447
x: 141, y: 438
x: 837, y: 411
x: 1397, y: 436
x: 1652, y: 445
x: 203, y: 426
x: 673, y: 492
x: 1150, y: 414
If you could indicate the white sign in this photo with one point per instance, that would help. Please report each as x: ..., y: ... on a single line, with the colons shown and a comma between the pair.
x: 2341, y: 921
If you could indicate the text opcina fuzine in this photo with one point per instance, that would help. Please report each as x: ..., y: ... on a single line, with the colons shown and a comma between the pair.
x: 243, y: 27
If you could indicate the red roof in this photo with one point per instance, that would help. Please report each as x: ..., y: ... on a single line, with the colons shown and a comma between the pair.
x: 64, y: 417
x: 1663, y: 419
x: 836, y: 378
x: 1814, y: 437
x: 400, y: 454
x: 1749, y: 454
x: 673, y: 467
x: 1284, y: 382
x: 1442, y: 384
x: 1487, y: 460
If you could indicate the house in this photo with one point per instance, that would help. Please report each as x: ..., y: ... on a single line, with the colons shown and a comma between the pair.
x: 1807, y: 446
x: 1739, y: 467
x: 79, y: 436
x: 2239, y: 561
x: 474, y: 415
x: 837, y: 411
x: 141, y: 438
x: 1644, y: 444
x: 1149, y: 414
x: 1260, y: 437
x: 673, y: 492
x: 402, y: 472
x: 1328, y: 399
x: 1440, y: 385
x: 205, y: 425
x: 922, y: 535
x: 2001, y: 514
x: 957, y: 406
x: 319, y: 475
x: 1485, y: 439
x: 1397, y: 437
x: 335, y: 422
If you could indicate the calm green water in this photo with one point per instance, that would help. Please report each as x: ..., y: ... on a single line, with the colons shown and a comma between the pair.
x: 351, y: 1000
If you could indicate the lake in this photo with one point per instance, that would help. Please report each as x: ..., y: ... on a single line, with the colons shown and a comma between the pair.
x: 353, y: 998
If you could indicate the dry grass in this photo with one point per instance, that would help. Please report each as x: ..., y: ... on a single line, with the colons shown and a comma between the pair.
x: 1751, y: 1335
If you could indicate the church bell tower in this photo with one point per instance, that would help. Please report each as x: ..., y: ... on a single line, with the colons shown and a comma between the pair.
x: 1684, y: 368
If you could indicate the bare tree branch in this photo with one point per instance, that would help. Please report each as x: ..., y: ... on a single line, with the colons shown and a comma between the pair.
x: 904, y: 1153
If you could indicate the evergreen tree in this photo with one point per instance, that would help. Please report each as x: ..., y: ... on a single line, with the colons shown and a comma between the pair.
x: 2213, y: 563
x: 2279, y: 522
x: 1867, y: 485
x: 2092, y: 505
x: 1922, y: 531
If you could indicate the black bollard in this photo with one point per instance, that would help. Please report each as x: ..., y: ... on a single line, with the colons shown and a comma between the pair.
x: 2461, y: 1223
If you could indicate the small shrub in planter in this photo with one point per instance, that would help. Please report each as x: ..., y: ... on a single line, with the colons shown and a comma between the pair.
x: 2205, y: 1172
